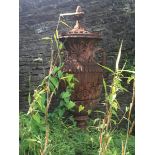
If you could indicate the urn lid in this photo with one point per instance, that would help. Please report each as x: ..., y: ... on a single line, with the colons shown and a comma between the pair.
x: 79, y: 31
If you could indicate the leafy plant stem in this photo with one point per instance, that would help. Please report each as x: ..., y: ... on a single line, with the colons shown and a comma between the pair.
x: 129, y: 115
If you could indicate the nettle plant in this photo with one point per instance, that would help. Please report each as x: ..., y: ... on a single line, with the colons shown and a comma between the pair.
x: 34, y: 126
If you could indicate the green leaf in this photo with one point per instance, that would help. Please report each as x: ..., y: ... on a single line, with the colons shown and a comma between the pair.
x: 66, y: 99
x: 57, y: 34
x: 56, y: 40
x: 70, y: 80
x: 43, y: 98
x: 36, y: 117
x: 31, y: 140
x: 81, y: 107
x: 60, y: 74
x: 55, y: 70
x: 114, y: 113
x: 69, y: 77
x: 129, y: 71
x: 115, y: 105
x: 52, y: 88
x: 119, y: 56
x: 70, y: 105
x: 101, y: 126
x: 113, y: 89
x: 130, y: 79
x: 71, y: 85
x: 126, y: 109
x: 96, y: 120
x: 61, y: 112
x: 54, y: 81
x: 65, y: 94
x: 39, y: 100
x: 89, y: 112
x: 111, y: 98
x: 114, y: 121
x: 29, y: 99
x: 105, y: 88
x: 107, y: 68
x: 61, y: 46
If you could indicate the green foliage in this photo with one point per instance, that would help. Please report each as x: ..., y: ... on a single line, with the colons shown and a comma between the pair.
x: 112, y: 105
x: 65, y: 102
x: 81, y: 108
x: 33, y: 125
x: 65, y: 139
x: 32, y: 130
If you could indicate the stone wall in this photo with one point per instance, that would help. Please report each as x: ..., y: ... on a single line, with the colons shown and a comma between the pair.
x: 114, y: 19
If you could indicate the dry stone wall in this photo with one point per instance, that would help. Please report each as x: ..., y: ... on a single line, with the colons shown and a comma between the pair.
x: 114, y: 19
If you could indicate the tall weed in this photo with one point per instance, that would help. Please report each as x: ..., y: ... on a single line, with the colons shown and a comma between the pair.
x: 107, y: 124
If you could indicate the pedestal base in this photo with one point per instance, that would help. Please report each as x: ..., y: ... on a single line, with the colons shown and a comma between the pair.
x: 81, y: 121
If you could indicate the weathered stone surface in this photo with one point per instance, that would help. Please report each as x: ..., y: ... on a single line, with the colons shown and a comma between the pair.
x: 38, y: 19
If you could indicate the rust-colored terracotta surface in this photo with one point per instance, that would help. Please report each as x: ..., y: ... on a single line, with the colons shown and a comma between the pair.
x: 79, y: 60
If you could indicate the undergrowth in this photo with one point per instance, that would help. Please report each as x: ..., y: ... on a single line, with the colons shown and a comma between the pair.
x: 67, y: 139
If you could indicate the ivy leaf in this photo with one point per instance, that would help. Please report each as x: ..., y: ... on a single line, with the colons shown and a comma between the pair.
x: 81, y: 107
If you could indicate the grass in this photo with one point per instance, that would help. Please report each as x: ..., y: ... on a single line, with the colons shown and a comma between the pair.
x: 70, y: 140
x: 67, y: 139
